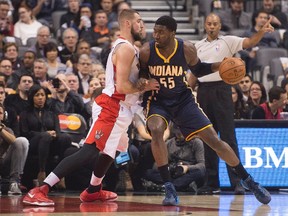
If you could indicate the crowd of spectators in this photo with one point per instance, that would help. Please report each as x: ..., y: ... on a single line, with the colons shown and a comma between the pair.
x: 45, y: 72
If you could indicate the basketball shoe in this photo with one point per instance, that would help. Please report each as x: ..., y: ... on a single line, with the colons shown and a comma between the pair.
x: 38, y: 196
x: 261, y: 194
x: 101, y: 195
x: 171, y: 198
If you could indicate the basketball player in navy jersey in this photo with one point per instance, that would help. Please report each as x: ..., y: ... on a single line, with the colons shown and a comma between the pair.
x: 169, y: 60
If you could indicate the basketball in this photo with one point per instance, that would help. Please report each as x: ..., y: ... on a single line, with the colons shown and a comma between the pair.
x: 232, y: 70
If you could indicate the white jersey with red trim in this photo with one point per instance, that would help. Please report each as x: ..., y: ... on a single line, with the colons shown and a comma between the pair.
x: 111, y: 70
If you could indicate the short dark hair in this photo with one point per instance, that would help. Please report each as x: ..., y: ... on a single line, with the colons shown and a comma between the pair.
x: 25, y: 74
x: 249, y: 76
x: 275, y: 93
x: 10, y: 44
x: 50, y: 46
x: 167, y: 21
x: 4, y: 2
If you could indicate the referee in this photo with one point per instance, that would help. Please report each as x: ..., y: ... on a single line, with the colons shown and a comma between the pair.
x: 214, y: 96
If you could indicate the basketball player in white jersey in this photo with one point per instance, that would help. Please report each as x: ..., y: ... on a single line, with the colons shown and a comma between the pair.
x: 112, y: 114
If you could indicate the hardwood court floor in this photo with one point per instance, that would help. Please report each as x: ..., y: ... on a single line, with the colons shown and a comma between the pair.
x: 150, y: 205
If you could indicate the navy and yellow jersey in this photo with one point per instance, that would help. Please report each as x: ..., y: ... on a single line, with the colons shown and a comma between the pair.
x: 169, y: 72
x: 174, y: 101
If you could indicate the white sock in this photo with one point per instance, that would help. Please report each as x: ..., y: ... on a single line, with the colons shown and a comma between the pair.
x: 95, y: 180
x: 51, y: 179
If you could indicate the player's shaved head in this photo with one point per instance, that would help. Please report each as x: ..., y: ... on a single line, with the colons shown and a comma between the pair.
x: 126, y: 14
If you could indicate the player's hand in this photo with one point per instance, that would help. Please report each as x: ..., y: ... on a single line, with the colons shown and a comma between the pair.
x: 268, y: 27
x: 152, y: 84
x: 147, y: 85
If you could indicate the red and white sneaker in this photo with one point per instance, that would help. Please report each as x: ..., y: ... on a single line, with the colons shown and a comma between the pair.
x: 102, y: 195
x: 38, y: 196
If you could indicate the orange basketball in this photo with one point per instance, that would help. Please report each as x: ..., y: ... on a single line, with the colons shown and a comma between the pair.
x: 232, y: 70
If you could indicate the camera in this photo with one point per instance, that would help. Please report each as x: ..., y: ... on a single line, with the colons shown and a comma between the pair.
x: 176, y: 170
x: 56, y: 83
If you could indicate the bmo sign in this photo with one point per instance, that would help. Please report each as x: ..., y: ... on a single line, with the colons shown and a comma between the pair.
x: 263, y: 152
x: 253, y: 158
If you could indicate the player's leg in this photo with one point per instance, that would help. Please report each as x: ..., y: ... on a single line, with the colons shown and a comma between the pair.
x: 110, y: 137
x: 157, y: 126
x: 94, y: 190
x: 38, y: 195
x: 226, y: 153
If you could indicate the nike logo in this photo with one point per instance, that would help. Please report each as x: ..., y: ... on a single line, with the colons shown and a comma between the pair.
x: 31, y: 195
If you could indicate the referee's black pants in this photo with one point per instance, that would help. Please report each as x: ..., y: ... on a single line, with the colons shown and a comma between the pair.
x: 215, y: 98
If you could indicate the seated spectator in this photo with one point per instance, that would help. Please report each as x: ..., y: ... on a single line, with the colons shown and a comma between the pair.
x: 83, y: 72
x: 19, y: 101
x: 63, y: 100
x: 186, y: 163
x: 279, y: 20
x: 13, y: 154
x: 6, y: 24
x: 67, y: 19
x: 107, y: 7
x: 70, y: 39
x: 82, y: 47
x: 257, y: 96
x: 234, y: 17
x: 84, y: 19
x: 10, y: 119
x: 244, y: 86
x: 98, y: 35
x: 94, y: 83
x: 97, y: 68
x: 51, y: 54
x: 27, y: 26
x: 40, y: 73
x: 28, y: 63
x: 268, y: 40
x: 72, y: 82
x: 8, y: 91
x: 10, y: 51
x: 11, y: 79
x: 102, y: 78
x: 272, y: 109
x: 240, y: 108
x: 43, y: 37
x: 41, y: 127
